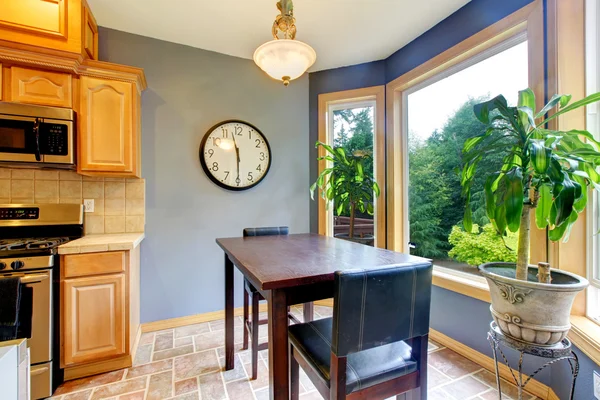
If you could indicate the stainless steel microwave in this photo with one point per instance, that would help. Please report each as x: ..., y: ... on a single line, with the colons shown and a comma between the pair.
x: 36, y: 135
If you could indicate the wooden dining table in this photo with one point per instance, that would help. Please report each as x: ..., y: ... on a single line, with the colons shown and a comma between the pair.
x: 288, y: 270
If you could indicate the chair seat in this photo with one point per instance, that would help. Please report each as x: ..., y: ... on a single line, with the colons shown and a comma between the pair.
x: 364, y: 369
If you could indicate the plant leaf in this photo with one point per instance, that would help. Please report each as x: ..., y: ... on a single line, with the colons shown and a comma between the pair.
x: 580, y: 103
x: 556, y: 99
x: 527, y: 98
x: 482, y: 110
x: 540, y: 156
x: 564, y: 201
x: 542, y: 211
x: 513, y: 198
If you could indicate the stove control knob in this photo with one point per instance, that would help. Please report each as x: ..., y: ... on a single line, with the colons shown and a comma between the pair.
x: 17, y: 264
x: 2, y: 265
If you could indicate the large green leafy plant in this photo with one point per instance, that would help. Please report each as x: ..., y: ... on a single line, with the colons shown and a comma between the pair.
x: 346, y: 183
x: 549, y: 171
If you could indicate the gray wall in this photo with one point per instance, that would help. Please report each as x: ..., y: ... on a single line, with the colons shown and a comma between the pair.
x: 190, y: 90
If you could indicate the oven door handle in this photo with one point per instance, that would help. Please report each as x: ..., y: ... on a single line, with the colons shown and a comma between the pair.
x: 38, y: 371
x: 35, y: 278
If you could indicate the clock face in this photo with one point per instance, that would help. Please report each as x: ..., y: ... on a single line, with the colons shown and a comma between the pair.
x: 235, y: 155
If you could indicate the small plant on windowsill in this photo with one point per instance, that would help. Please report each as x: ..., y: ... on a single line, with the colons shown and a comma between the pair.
x: 346, y: 184
x: 548, y: 173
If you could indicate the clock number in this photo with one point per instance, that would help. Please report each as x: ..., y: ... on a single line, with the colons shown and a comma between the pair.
x: 259, y: 168
x: 238, y: 131
x: 257, y: 143
x: 250, y: 134
x: 211, y: 152
x: 215, y: 166
x: 225, y: 133
x: 226, y: 174
x: 250, y: 177
x: 262, y: 156
x: 238, y: 181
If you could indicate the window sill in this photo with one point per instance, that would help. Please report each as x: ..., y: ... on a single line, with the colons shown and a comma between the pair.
x: 585, y: 334
x: 462, y: 283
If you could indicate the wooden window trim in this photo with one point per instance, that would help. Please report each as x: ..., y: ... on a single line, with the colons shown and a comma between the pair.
x: 528, y: 19
x: 377, y: 94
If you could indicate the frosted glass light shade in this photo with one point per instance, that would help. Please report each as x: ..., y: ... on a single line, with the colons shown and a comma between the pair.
x: 285, y: 59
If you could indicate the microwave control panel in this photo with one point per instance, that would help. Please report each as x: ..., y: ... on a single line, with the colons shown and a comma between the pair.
x: 56, y: 139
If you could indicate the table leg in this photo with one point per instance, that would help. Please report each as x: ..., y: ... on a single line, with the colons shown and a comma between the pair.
x: 308, y: 311
x: 229, y: 350
x: 278, y: 346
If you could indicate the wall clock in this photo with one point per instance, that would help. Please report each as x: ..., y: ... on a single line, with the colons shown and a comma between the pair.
x: 235, y: 155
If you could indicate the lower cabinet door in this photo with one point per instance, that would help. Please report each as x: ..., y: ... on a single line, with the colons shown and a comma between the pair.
x: 93, y: 318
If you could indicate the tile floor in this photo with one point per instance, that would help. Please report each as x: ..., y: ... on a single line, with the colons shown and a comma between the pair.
x: 187, y: 364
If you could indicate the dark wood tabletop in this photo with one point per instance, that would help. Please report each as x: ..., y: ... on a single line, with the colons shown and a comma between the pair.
x: 277, y: 262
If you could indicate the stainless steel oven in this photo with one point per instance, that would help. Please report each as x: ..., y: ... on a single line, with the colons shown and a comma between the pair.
x: 36, y: 135
x: 40, y: 339
x: 30, y: 235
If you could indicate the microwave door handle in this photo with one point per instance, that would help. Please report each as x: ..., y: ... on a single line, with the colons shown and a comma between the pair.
x: 36, y: 132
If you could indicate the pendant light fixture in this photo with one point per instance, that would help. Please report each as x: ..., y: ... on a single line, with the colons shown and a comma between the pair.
x: 285, y: 59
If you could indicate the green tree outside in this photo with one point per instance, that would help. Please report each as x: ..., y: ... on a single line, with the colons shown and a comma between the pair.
x: 436, y: 203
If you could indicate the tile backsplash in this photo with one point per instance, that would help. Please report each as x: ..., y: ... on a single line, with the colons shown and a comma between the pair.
x: 118, y: 202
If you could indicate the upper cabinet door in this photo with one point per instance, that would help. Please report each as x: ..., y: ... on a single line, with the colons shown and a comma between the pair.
x: 40, y: 87
x: 65, y: 25
x: 108, y: 127
x: 38, y: 17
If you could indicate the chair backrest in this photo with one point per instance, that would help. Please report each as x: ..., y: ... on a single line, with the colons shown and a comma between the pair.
x: 379, y: 306
x: 266, y: 231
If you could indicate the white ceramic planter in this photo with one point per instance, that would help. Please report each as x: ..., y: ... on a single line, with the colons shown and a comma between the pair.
x: 530, y: 311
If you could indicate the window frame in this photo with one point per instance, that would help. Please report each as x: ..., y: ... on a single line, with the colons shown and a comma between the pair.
x: 524, y: 24
x: 329, y: 102
x: 592, y: 67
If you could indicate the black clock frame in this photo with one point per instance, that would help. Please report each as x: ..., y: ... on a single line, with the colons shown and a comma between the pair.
x: 207, y: 170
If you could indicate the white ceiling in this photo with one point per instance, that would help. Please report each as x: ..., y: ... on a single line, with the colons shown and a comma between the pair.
x: 343, y: 32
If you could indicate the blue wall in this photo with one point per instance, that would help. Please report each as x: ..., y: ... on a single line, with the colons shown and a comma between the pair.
x: 463, y: 318
x: 470, y: 19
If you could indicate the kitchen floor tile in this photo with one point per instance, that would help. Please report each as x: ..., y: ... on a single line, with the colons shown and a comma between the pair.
x: 187, y: 363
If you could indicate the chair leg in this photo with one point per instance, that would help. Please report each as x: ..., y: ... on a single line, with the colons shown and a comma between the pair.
x: 245, y: 345
x: 337, y: 376
x: 294, y: 376
x: 254, y: 335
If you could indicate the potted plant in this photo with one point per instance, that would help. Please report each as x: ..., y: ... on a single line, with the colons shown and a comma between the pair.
x: 546, y: 172
x: 348, y: 186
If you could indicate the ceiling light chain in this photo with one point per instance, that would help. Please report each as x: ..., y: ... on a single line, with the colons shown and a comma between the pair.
x: 285, y: 59
x: 285, y: 21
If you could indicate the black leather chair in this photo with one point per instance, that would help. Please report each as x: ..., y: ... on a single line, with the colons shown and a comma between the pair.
x: 375, y: 346
x: 251, y: 327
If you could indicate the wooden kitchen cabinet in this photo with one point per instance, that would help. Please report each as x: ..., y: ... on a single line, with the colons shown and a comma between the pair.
x: 40, y: 87
x: 109, y: 127
x: 90, y: 34
x: 100, y: 311
x: 94, y: 318
x: 63, y: 25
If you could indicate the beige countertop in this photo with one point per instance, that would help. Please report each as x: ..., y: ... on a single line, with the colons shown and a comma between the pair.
x: 102, y: 242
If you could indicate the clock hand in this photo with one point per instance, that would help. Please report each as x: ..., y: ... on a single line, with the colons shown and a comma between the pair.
x: 237, y: 154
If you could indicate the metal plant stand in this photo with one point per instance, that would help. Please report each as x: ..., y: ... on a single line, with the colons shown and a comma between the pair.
x: 557, y: 352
